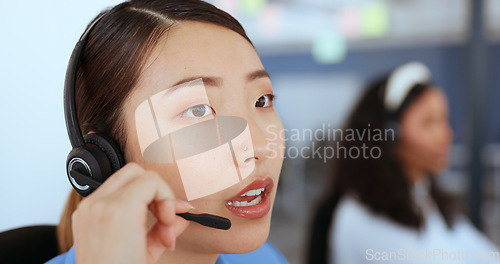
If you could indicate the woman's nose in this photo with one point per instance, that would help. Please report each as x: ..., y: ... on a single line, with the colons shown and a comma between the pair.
x: 244, y: 151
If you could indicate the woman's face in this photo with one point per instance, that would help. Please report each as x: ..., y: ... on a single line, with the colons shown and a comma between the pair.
x: 425, y: 133
x: 234, y: 84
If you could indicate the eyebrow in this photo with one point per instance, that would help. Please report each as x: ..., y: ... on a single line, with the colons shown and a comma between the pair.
x: 258, y: 74
x: 217, y: 81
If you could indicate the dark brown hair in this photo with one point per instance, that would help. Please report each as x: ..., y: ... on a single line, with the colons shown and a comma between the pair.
x: 379, y: 184
x: 112, y: 62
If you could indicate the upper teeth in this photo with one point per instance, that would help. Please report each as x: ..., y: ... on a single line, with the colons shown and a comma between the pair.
x: 245, y: 203
x: 253, y: 192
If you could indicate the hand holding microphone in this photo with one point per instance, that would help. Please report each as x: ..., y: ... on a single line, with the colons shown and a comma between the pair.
x: 208, y: 220
x: 117, y: 214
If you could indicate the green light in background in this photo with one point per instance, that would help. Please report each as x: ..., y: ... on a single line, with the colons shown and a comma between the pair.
x: 252, y: 7
x: 374, y: 19
x: 329, y: 47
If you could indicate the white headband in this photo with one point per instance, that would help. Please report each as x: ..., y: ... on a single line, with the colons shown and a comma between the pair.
x: 401, y: 81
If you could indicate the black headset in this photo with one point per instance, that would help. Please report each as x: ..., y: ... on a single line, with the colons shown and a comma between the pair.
x: 94, y: 157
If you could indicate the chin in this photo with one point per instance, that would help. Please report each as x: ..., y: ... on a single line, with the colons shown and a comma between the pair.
x: 438, y: 168
x: 436, y: 165
x: 244, y: 236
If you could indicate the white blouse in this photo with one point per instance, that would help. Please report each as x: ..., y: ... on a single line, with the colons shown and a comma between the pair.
x: 362, y: 236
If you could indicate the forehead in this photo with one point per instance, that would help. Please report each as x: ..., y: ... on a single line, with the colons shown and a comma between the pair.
x: 432, y: 97
x: 432, y: 100
x: 195, y: 48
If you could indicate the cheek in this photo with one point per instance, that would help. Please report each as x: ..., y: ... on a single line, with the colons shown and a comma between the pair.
x: 274, y: 136
x: 169, y: 172
x: 417, y: 137
x: 414, y: 145
x: 418, y: 148
x: 432, y: 138
x: 209, y: 172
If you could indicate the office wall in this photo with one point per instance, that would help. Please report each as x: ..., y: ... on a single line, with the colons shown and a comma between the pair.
x: 36, y: 40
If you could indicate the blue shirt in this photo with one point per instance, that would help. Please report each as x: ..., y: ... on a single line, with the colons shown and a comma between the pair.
x: 266, y: 254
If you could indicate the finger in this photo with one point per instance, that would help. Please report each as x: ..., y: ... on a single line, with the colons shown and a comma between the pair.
x: 182, y: 206
x: 168, y: 226
x: 159, y: 238
x: 144, y: 189
x: 180, y: 225
x: 165, y: 210
x: 162, y: 236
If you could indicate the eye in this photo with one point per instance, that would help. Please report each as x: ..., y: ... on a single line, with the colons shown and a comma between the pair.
x: 201, y: 110
x: 265, y: 101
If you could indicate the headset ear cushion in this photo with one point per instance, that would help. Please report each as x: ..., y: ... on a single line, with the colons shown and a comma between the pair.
x: 109, y: 147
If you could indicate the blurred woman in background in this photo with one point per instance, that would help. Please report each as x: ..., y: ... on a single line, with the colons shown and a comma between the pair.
x: 389, y: 208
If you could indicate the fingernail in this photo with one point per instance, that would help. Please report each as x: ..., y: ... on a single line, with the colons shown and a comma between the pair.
x: 185, y: 202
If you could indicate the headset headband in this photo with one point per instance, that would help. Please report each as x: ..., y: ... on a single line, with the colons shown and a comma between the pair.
x: 70, y: 115
x: 401, y: 81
